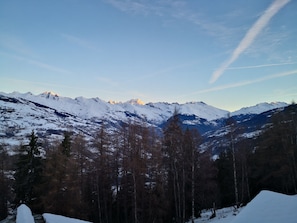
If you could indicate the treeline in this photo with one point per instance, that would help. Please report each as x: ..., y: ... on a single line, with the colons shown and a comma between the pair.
x: 135, y: 174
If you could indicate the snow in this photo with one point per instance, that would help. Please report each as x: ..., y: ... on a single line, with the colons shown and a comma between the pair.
x: 24, y: 214
x: 52, y: 218
x: 86, y: 108
x: 269, y: 207
x: 47, y: 112
x: 224, y: 215
x: 95, y: 107
x: 259, y: 108
x: 266, y: 207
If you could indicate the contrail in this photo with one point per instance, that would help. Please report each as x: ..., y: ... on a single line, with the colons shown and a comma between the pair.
x: 250, y: 36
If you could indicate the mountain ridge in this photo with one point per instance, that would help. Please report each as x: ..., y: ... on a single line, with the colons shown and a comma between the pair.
x: 50, y: 115
x: 185, y: 108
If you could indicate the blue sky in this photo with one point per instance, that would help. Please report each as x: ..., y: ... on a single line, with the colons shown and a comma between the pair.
x: 229, y: 54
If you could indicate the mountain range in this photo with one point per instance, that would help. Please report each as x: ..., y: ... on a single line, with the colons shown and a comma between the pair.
x: 50, y: 115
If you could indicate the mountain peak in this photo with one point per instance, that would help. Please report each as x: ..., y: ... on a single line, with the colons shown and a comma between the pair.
x: 260, y: 108
x: 135, y: 102
x: 49, y: 94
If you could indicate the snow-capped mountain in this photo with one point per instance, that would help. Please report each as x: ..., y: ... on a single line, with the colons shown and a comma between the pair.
x: 154, y: 112
x: 50, y: 114
x: 259, y: 108
x: 97, y: 108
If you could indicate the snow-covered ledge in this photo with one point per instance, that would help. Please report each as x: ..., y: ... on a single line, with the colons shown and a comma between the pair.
x: 52, y: 218
x: 24, y: 214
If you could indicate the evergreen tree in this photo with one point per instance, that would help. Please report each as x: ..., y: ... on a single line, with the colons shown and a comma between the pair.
x: 3, y: 183
x: 66, y: 144
x: 28, y: 174
x: 225, y: 178
x: 273, y: 164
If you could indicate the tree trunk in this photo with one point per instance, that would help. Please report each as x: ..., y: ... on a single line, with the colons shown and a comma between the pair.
x: 193, y: 186
x: 234, y: 171
x: 135, y: 198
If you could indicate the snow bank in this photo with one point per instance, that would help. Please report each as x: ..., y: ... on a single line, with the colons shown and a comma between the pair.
x: 269, y: 207
x: 52, y: 218
x: 24, y: 214
x: 224, y: 215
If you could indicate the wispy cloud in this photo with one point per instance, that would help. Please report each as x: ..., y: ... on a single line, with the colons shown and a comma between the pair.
x: 259, y: 66
x: 131, y: 6
x: 79, y: 41
x: 248, y: 82
x: 250, y: 36
x: 47, y: 66
x: 15, y: 44
x: 38, y: 63
x: 171, y: 10
x: 108, y: 81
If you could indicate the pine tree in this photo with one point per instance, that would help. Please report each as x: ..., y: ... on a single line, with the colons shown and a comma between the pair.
x: 66, y: 144
x: 273, y: 164
x: 3, y: 183
x: 28, y: 173
x: 173, y: 141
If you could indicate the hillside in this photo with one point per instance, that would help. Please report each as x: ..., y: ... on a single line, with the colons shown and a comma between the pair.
x: 50, y: 115
x: 67, y: 157
x: 267, y: 206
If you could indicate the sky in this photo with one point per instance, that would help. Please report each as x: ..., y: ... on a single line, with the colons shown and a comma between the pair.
x: 229, y: 54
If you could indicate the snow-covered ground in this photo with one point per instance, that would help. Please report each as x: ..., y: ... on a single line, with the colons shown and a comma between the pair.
x: 155, y: 112
x: 269, y: 207
x: 52, y: 218
x: 266, y: 207
x: 224, y: 215
x: 24, y: 214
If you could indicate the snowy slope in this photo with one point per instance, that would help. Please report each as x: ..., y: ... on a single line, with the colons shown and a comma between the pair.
x: 87, y: 108
x: 266, y: 207
x: 269, y: 207
x: 52, y: 218
x: 152, y: 112
x: 18, y: 117
x: 259, y: 108
x: 24, y: 214
x: 223, y: 215
x: 50, y: 115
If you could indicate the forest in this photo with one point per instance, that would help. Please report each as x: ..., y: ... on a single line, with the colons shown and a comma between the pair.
x: 135, y: 174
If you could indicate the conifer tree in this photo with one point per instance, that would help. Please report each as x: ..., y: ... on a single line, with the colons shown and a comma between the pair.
x: 28, y: 173
x: 173, y: 140
x: 66, y: 144
x: 3, y: 184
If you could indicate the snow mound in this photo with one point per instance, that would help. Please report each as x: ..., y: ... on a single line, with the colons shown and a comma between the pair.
x: 269, y: 207
x: 24, y: 214
x: 224, y: 215
x: 259, y: 108
x: 52, y: 218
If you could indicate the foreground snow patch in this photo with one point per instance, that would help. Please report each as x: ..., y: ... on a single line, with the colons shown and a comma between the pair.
x: 269, y: 207
x: 24, y: 214
x: 52, y: 218
x: 224, y: 215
